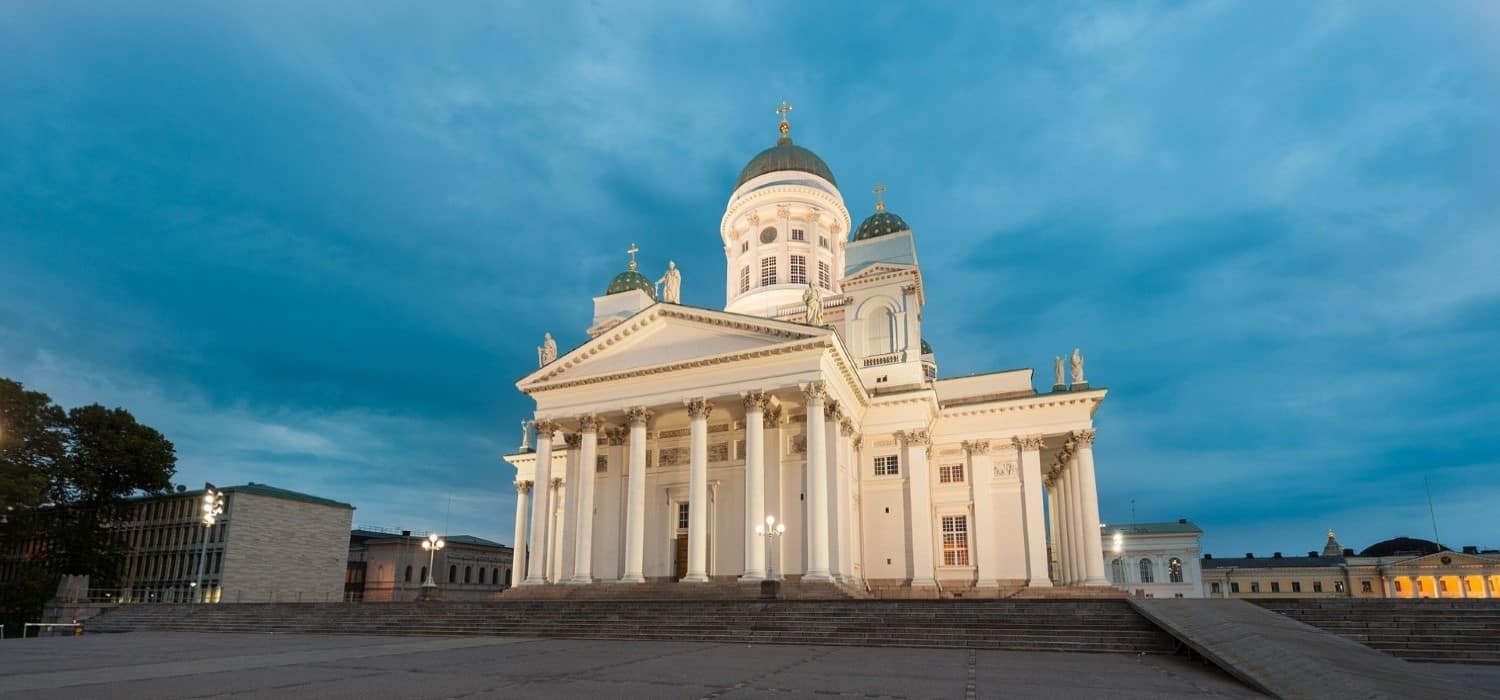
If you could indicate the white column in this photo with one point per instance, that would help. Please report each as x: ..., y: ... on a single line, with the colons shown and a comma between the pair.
x: 697, y: 567
x: 536, y: 571
x: 919, y: 485
x: 1064, y: 533
x: 567, y: 504
x: 835, y: 510
x: 616, y: 436
x: 1489, y: 586
x: 775, y: 497
x: 755, y: 484
x: 518, y: 558
x: 817, y: 485
x: 1054, y: 533
x: 1074, y: 524
x: 986, y: 532
x: 555, y: 529
x: 1030, y: 451
x: 583, y: 531
x: 1089, y: 493
x: 845, y: 499
x: 635, y: 503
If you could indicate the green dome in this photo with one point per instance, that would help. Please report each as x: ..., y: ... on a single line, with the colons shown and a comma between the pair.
x: 785, y: 156
x: 926, y: 349
x: 879, y: 224
x: 630, y: 279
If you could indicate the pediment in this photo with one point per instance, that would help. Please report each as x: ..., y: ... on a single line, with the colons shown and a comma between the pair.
x: 1435, y: 560
x: 667, y: 334
x: 877, y: 270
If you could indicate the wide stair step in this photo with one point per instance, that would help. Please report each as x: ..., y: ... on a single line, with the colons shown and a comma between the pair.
x: 1451, y: 631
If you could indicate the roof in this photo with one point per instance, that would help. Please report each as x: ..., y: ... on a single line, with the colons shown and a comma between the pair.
x: 1402, y: 545
x: 630, y: 279
x: 879, y: 224
x: 1272, y: 562
x: 1181, y: 527
x: 363, y: 535
x: 284, y: 494
x: 785, y: 155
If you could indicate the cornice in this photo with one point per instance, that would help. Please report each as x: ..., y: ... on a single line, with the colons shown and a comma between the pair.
x: 1029, y: 403
x: 754, y: 200
x: 785, y: 349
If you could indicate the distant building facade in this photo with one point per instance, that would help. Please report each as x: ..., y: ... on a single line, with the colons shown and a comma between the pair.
x: 1154, y: 560
x: 386, y: 565
x: 1402, y: 567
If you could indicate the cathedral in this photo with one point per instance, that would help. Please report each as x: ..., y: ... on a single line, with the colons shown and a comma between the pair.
x: 803, y: 431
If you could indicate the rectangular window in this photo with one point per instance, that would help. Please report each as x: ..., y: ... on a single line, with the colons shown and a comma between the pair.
x: 1255, y: 586
x: 824, y: 279
x: 1317, y: 586
x: 601, y: 465
x: 1215, y: 587
x: 1364, y: 587
x: 1296, y: 586
x: 799, y: 235
x: 823, y: 241
x: 799, y: 269
x: 1275, y: 586
x: 745, y: 246
x: 887, y: 465
x: 744, y: 279
x: 767, y: 272
x: 718, y: 452
x: 951, y: 474
x: 1234, y: 586
x: 955, y: 540
x: 682, y: 516
x: 1338, y: 586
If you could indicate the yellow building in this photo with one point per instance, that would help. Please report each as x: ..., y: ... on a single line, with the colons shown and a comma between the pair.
x: 1401, y: 567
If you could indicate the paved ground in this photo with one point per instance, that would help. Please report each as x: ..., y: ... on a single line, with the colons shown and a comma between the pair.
x: 170, y: 665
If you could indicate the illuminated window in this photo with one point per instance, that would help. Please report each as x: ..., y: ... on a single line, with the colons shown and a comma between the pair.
x: 1147, y: 576
x: 799, y: 269
x: 767, y: 272
x: 955, y: 540
x: 1398, y: 586
x: 951, y: 474
x: 1174, y: 570
x: 887, y: 465
x: 744, y: 279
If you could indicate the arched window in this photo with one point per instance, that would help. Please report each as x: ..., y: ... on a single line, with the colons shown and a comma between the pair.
x: 452, y: 573
x: 468, y: 573
x: 1146, y: 576
x: 408, y: 573
x: 1117, y: 571
x: 881, y: 332
x: 508, y: 582
x: 1174, y: 570
x: 424, y: 574
x: 495, y: 576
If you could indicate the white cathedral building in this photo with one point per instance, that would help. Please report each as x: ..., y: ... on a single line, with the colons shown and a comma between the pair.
x: 665, y: 441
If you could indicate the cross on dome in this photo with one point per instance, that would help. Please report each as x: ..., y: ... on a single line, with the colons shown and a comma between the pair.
x: 632, y: 250
x: 879, y: 198
x: 786, y: 126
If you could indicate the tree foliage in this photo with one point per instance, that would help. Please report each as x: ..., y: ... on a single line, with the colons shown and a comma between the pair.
x: 32, y: 435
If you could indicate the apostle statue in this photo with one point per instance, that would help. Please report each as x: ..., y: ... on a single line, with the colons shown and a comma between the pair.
x: 547, y: 352
x: 525, y: 435
x: 1077, y: 366
x: 814, y: 302
x: 1057, y: 371
x: 670, y: 284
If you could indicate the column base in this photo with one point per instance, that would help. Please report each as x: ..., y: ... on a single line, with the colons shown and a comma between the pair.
x: 752, y: 577
x: 1039, y: 583
x: 991, y: 583
x: 928, y: 582
x: 632, y: 578
x: 1096, y: 581
x: 818, y: 576
x: 534, y: 582
x: 580, y: 580
x: 694, y: 578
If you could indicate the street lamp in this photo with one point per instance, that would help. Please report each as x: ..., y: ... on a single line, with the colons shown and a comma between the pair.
x: 209, y: 510
x: 771, y: 530
x: 431, y: 545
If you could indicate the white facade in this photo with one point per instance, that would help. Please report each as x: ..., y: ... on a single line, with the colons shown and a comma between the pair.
x: 1155, y: 560
x: 664, y: 439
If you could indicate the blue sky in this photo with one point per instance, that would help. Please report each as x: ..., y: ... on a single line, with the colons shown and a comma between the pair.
x: 316, y: 244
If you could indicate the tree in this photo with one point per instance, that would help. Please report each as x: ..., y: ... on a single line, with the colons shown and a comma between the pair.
x: 33, y: 431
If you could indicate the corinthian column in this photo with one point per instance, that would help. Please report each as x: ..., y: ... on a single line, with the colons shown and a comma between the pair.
x: 1030, y: 449
x: 1075, y: 522
x: 536, y: 572
x: 567, y: 503
x: 1089, y: 494
x: 914, y: 446
x: 755, y: 484
x: 635, y: 505
x: 518, y: 561
x: 583, y: 547
x: 817, y: 485
x: 697, y: 568
x: 986, y: 529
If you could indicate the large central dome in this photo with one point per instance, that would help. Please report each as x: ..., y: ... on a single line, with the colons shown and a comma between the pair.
x: 785, y: 155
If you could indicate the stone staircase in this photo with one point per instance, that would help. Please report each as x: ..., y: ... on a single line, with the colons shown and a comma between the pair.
x: 1026, y: 625
x: 720, y: 588
x: 1449, y: 631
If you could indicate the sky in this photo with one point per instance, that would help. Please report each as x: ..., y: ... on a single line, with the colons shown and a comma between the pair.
x: 316, y: 244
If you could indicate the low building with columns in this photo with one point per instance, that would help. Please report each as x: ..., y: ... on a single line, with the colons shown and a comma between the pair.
x: 666, y: 437
x: 1401, y: 567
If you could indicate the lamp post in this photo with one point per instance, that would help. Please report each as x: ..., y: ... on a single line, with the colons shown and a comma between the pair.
x: 432, y: 544
x: 209, y: 509
x: 771, y: 530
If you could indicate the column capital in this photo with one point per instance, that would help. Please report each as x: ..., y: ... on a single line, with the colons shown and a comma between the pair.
x: 616, y: 434
x: 589, y: 423
x: 1084, y: 437
x: 698, y: 408
x: 846, y: 426
x: 913, y: 437
x: 573, y: 440
x: 546, y: 427
x: 831, y: 410
x: 557, y: 483
x: 638, y: 414
x: 773, y: 415
x: 523, y: 487
x: 1028, y: 442
x: 976, y: 447
x: 859, y: 441
x: 814, y: 391
x: 755, y: 400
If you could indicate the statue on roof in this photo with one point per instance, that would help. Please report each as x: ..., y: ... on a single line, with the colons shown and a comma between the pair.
x: 1077, y: 367
x: 814, y: 302
x: 1057, y: 370
x: 670, y: 284
x: 547, y: 352
x: 525, y: 435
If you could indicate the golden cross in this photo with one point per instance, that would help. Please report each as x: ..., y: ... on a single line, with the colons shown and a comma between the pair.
x: 783, y: 109
x: 879, y: 201
x: 632, y: 250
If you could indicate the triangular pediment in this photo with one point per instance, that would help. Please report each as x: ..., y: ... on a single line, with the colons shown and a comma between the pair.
x: 669, y: 334
x: 1435, y: 560
x: 876, y: 270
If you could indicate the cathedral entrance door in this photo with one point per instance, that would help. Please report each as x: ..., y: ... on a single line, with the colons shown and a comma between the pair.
x: 679, y: 566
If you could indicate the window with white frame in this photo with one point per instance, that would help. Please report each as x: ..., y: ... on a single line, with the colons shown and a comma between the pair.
x: 799, y: 269
x: 823, y: 242
x: 1174, y: 570
x: 799, y: 235
x: 824, y: 279
x: 955, y: 540
x: 682, y: 516
x: 767, y: 272
x: 887, y: 465
x: 744, y: 279
x: 1146, y: 573
x: 951, y: 474
x: 1117, y: 572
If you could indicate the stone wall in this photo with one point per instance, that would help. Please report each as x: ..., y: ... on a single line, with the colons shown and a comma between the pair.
x: 284, y: 550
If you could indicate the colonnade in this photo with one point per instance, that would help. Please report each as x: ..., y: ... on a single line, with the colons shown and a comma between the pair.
x: 1072, y: 495
x: 1466, y: 585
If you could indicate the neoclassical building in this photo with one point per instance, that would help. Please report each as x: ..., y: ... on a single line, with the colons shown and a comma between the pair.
x: 809, y: 396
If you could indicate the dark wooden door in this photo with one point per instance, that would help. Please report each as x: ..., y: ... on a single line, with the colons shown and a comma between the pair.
x: 679, y: 568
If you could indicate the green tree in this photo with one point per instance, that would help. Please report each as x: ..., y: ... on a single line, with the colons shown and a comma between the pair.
x: 33, y: 432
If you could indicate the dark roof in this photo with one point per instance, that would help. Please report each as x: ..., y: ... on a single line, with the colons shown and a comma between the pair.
x: 785, y: 155
x: 880, y: 223
x: 630, y: 279
x: 1179, y: 527
x: 285, y: 494
x: 1271, y: 562
x: 1403, y: 545
x: 362, y: 535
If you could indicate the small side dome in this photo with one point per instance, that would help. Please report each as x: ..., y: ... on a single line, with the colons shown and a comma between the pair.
x: 630, y: 279
x: 926, y: 349
x: 1403, y: 545
x: 880, y: 223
